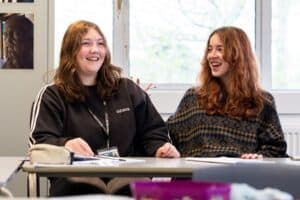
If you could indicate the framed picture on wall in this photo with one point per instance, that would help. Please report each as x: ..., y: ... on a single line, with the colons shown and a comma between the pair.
x: 16, y: 40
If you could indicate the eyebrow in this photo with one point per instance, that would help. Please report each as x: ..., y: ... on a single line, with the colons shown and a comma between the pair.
x: 218, y: 45
x: 93, y: 39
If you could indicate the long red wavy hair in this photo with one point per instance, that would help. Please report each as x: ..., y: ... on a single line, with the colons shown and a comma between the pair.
x: 242, y: 96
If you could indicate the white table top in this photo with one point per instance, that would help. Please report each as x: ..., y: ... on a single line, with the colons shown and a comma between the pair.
x: 147, y: 167
x: 161, y: 167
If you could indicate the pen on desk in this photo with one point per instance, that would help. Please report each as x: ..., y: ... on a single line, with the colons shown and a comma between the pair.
x: 112, y: 158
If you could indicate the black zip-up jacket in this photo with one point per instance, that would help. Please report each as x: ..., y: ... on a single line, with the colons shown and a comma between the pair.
x: 135, y: 126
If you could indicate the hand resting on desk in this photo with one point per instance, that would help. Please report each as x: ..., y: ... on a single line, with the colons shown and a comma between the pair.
x: 79, y: 146
x: 167, y: 151
x: 251, y: 156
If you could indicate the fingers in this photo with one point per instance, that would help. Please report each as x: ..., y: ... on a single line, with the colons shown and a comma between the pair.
x: 167, y: 151
x: 149, y: 86
x: 79, y: 146
x: 138, y: 82
x: 251, y: 156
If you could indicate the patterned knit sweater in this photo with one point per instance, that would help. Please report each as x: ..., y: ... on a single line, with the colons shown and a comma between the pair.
x: 198, y: 134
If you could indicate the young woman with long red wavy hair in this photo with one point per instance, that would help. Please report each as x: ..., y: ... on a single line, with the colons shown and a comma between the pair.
x: 228, y: 113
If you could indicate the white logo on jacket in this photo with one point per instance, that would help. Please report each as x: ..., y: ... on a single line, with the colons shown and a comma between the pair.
x: 121, y: 110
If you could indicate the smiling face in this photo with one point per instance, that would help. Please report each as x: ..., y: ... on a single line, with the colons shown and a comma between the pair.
x: 215, y: 57
x: 90, y: 57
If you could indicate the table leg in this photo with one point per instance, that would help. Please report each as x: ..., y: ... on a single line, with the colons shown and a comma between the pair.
x: 33, y: 185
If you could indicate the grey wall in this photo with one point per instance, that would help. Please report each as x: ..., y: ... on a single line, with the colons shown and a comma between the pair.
x: 18, y: 89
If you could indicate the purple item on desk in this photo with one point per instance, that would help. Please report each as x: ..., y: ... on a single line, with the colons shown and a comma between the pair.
x: 180, y: 190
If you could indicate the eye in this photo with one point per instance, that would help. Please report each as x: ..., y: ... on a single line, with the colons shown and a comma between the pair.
x: 220, y: 49
x: 85, y: 43
x: 209, y: 49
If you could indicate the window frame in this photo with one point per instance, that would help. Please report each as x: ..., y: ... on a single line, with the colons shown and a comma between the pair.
x: 167, y: 96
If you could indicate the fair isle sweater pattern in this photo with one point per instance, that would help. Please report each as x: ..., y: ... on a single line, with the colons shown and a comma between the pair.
x: 195, y: 133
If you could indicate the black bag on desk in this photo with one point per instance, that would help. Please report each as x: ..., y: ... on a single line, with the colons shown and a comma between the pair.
x: 50, y: 154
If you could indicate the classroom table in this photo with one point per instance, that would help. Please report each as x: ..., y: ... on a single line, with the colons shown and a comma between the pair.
x: 144, y: 167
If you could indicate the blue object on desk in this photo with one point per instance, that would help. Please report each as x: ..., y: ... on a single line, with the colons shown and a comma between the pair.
x: 83, y: 158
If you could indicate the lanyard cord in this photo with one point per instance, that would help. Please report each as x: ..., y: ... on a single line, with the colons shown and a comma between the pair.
x: 106, y: 127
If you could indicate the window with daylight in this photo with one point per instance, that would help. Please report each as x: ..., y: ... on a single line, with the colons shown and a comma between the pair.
x: 167, y: 38
x: 162, y: 41
x: 69, y: 11
x: 285, y: 43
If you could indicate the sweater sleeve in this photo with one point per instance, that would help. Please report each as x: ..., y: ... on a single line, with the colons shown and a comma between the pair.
x: 180, y: 122
x: 151, y: 128
x: 271, y: 142
x: 47, y: 118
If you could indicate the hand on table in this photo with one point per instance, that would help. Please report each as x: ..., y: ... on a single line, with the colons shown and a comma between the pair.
x: 251, y: 156
x: 167, y: 151
x: 79, y: 146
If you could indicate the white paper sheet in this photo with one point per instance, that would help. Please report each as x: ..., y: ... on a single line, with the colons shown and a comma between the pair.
x: 226, y: 160
x: 95, y: 162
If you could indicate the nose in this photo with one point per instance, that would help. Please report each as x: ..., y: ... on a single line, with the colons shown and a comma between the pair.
x: 94, y: 47
x: 212, y: 53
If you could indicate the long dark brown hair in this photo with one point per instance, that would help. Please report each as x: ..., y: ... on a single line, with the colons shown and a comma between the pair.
x: 66, y: 77
x: 242, y: 97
